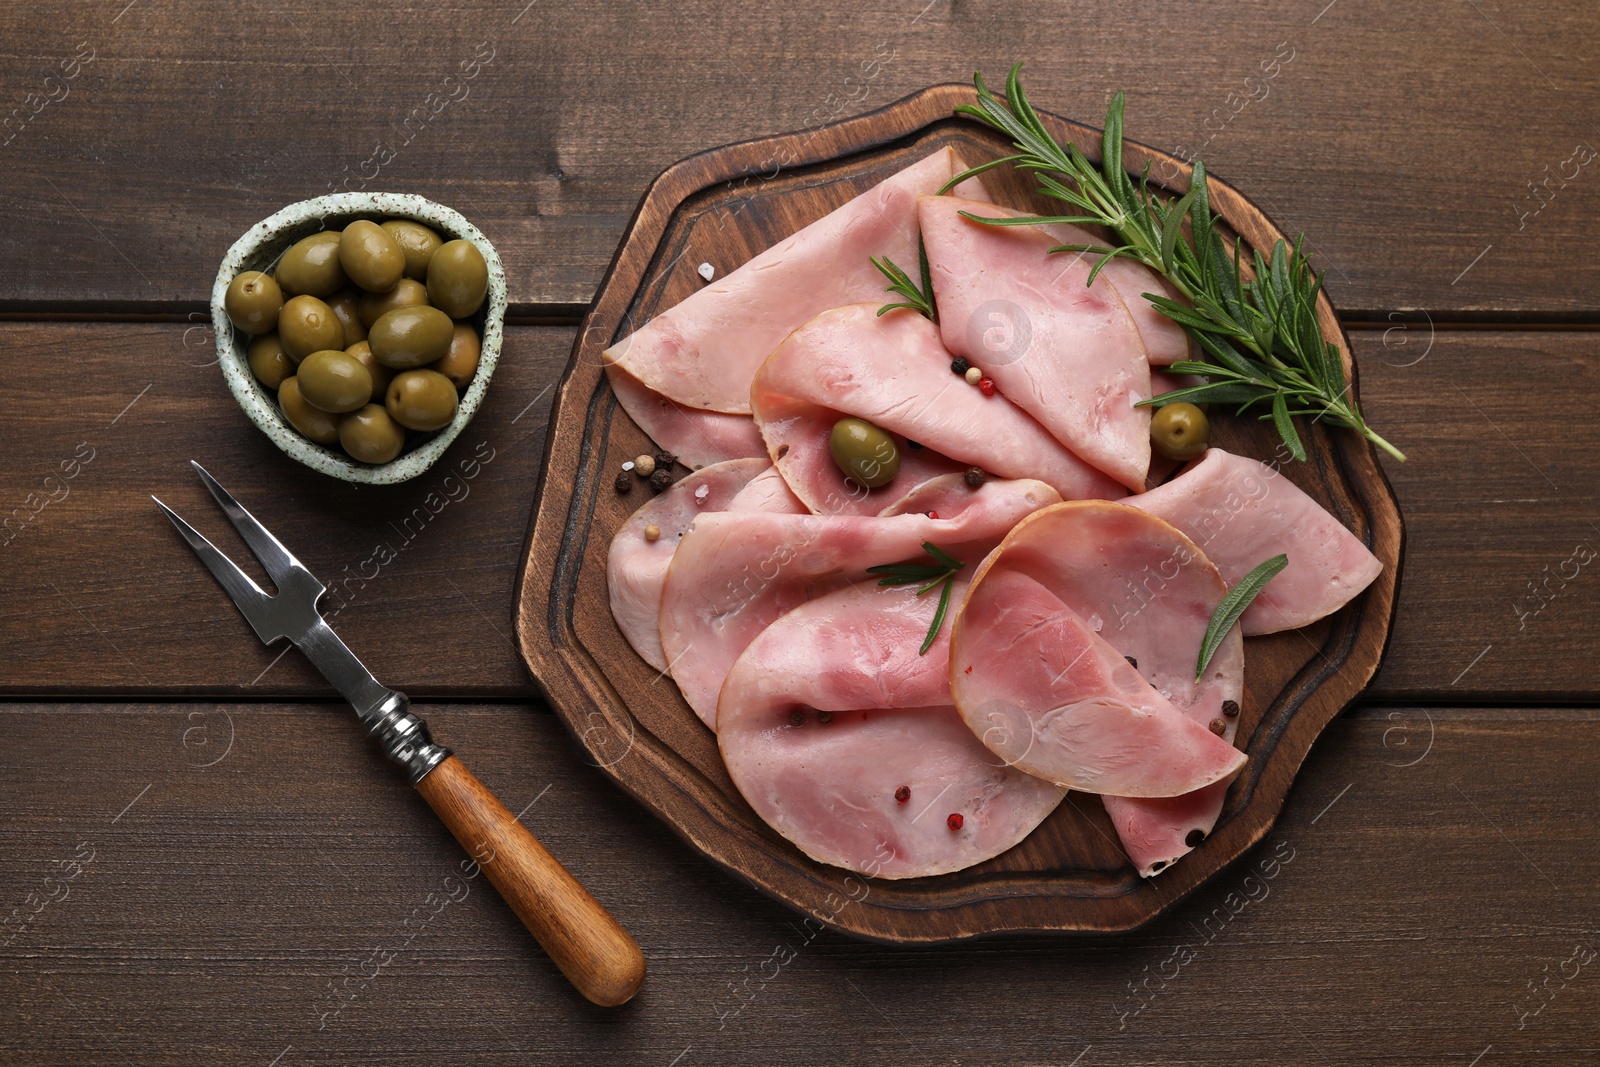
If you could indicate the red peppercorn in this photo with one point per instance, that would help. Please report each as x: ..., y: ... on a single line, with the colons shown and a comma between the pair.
x: 933, y: 514
x: 1219, y: 727
x: 902, y: 794
x: 955, y: 821
x: 986, y: 385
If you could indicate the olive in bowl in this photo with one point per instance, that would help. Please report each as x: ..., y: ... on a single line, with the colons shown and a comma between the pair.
x: 288, y: 415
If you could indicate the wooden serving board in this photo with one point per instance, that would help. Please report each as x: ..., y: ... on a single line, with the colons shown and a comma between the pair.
x: 722, y: 207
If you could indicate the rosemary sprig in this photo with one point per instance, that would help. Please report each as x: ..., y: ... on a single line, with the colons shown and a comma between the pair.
x: 1260, y: 335
x: 917, y: 299
x: 942, y: 573
x: 1233, y: 605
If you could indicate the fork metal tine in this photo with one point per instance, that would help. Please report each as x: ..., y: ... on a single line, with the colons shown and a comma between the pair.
x: 240, y: 586
x: 278, y: 560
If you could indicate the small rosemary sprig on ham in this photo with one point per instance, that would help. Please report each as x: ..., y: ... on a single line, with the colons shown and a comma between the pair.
x: 918, y: 299
x: 1233, y: 605
x: 1260, y: 336
x: 940, y: 574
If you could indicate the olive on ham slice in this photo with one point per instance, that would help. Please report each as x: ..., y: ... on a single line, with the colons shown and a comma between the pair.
x: 1241, y: 513
x: 1067, y: 353
x: 704, y: 351
x: 1149, y: 592
x: 735, y: 573
x: 894, y: 371
x: 1045, y: 693
x: 844, y: 740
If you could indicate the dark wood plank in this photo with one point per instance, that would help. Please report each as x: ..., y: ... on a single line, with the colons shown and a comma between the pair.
x: 1401, y: 144
x: 1482, y: 522
x: 98, y: 592
x: 1416, y: 886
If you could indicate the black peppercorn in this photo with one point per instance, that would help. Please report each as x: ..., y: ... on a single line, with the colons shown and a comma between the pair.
x: 661, y: 479
x: 959, y: 366
x: 624, y: 483
x: 665, y: 459
x: 975, y: 477
x: 1230, y: 708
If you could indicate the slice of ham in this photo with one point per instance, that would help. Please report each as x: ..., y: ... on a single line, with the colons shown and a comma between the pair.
x: 1045, y: 693
x: 1068, y: 354
x: 1153, y: 605
x: 636, y: 567
x: 767, y: 491
x: 698, y: 438
x: 829, y: 787
x: 894, y: 371
x: 704, y: 351
x: 735, y: 573
x: 1241, y: 512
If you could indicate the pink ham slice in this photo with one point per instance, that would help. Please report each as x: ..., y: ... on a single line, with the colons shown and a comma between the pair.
x: 636, y: 567
x: 767, y: 491
x: 829, y: 787
x: 894, y: 371
x: 1047, y: 695
x: 1068, y: 354
x: 1241, y: 512
x: 1150, y: 593
x: 704, y: 351
x: 698, y: 438
x: 735, y: 573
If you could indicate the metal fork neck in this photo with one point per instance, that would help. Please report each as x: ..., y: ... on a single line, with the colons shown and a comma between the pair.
x: 386, y: 713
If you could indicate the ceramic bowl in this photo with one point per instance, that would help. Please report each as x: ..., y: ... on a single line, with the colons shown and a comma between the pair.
x: 260, y: 248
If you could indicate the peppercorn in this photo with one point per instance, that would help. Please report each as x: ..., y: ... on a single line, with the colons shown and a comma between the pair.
x: 954, y: 821
x: 902, y: 794
x: 661, y: 479
x: 797, y: 717
x: 824, y: 716
x: 652, y: 532
x: 1219, y: 726
x: 665, y: 459
x: 986, y: 385
x: 933, y: 514
x: 973, y: 375
x: 1230, y: 708
x: 959, y: 365
x: 975, y: 477
x: 644, y: 466
x: 624, y: 483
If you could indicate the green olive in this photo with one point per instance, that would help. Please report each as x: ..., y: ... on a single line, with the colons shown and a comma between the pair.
x: 311, y: 266
x: 347, y: 309
x: 421, y: 399
x: 253, y: 302
x: 371, y: 257
x: 381, y: 375
x: 410, y: 337
x: 370, y: 435
x: 458, y: 278
x: 864, y: 453
x: 334, y: 381
x: 461, y: 362
x: 269, y: 362
x: 406, y: 293
x: 417, y: 242
x: 320, y: 426
x: 1180, y: 431
x: 307, y: 325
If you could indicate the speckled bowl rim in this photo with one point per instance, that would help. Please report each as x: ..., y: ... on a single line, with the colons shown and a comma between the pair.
x: 261, y: 246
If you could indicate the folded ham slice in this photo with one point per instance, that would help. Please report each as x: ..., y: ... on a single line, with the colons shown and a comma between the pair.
x: 894, y: 371
x: 830, y: 711
x: 697, y: 437
x: 1045, y: 693
x: 1152, y: 604
x: 735, y: 573
x: 704, y: 351
x: 767, y: 491
x: 1241, y: 512
x: 636, y: 567
x: 1068, y: 354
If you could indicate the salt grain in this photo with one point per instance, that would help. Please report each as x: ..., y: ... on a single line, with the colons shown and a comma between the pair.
x: 707, y: 271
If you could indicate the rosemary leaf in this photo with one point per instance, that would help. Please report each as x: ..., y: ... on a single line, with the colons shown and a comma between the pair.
x: 1233, y: 605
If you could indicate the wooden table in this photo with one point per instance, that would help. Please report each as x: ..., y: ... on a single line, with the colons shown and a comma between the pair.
x: 255, y: 885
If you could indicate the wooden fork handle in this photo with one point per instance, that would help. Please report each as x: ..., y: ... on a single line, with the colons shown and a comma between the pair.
x: 592, y: 949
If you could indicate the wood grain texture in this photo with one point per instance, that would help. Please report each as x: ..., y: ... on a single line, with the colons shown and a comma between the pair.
x: 1482, y: 521
x: 580, y: 936
x: 285, y: 897
x: 1399, y: 138
x: 1069, y: 875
